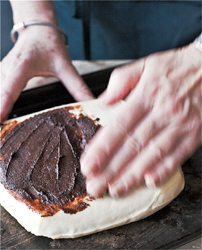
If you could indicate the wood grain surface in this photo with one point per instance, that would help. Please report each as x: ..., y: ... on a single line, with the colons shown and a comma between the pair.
x: 171, y: 226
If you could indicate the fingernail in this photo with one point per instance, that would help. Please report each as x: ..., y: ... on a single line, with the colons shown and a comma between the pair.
x: 117, y: 190
x: 149, y: 181
x: 112, y: 192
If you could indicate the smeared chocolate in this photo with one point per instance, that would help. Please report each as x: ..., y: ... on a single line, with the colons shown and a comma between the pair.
x: 39, y: 161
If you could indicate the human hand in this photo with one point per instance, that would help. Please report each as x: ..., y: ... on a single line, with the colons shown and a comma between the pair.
x: 39, y: 51
x: 157, y: 129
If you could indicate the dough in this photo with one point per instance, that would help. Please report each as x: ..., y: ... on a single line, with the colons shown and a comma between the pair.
x: 101, y: 213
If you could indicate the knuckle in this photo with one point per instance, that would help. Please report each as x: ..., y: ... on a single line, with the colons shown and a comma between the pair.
x: 182, y: 152
x: 150, y: 92
x: 170, y: 165
x: 157, y: 153
x: 101, y: 156
x: 133, y: 145
x: 80, y: 91
x: 169, y: 107
x: 174, y: 108
x: 120, y: 126
x: 195, y: 123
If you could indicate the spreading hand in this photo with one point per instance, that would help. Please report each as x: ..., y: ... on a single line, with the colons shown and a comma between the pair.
x: 157, y: 128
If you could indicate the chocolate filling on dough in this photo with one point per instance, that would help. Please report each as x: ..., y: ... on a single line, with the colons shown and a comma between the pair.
x: 40, y: 160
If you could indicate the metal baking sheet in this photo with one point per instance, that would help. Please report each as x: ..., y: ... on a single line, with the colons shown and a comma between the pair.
x: 175, y: 225
x: 56, y: 94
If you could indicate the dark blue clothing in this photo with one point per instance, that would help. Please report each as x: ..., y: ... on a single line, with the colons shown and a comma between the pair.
x: 120, y: 29
x: 6, y: 26
x: 130, y: 29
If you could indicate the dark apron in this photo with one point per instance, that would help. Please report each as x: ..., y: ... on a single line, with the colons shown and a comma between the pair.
x: 127, y: 29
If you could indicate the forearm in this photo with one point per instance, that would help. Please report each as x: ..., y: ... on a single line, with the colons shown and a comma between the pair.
x: 33, y: 10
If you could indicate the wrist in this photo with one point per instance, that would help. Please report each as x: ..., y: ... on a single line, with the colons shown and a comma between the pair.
x: 40, y: 35
x: 17, y: 28
x: 33, y: 10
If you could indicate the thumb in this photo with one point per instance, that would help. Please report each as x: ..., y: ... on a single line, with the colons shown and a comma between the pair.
x: 122, y: 81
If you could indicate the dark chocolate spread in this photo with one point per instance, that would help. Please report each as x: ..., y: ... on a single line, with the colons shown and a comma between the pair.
x: 40, y: 160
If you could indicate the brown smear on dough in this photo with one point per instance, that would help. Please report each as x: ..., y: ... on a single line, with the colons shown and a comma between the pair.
x: 40, y: 160
x: 71, y: 207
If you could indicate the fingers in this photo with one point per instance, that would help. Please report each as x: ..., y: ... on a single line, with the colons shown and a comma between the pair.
x: 6, y: 106
x: 74, y: 83
x: 111, y: 152
x: 159, y: 174
x: 12, y: 83
x: 150, y: 137
x: 157, y: 162
x: 136, y: 159
x: 130, y: 147
x: 123, y: 80
x: 106, y: 142
x: 157, y: 153
x: 138, y: 154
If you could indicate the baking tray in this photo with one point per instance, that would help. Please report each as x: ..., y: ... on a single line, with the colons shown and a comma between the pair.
x: 56, y: 94
x: 173, y: 226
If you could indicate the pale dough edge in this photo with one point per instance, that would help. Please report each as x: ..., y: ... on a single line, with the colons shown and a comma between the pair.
x: 102, y: 213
